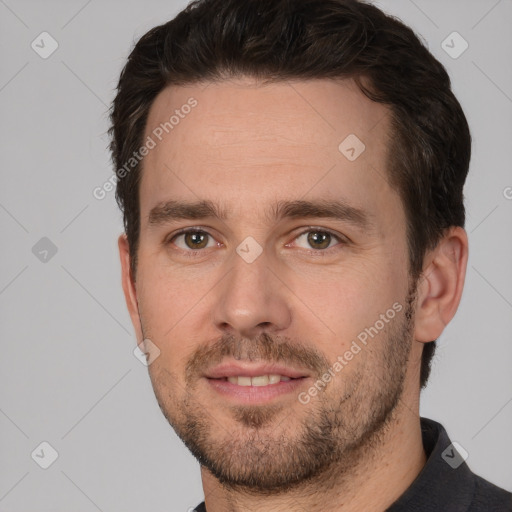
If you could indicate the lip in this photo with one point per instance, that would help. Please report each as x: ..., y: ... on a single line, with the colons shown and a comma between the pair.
x: 216, y: 378
x: 256, y: 395
x: 253, y: 370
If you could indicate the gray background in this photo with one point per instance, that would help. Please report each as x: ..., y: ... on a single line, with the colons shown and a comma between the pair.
x: 68, y: 375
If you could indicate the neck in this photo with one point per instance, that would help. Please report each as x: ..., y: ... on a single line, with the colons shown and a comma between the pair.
x: 373, y: 482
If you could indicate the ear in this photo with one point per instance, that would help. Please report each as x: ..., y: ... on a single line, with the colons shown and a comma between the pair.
x: 130, y: 292
x: 440, y: 286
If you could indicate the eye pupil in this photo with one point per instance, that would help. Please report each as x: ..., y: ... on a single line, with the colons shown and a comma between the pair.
x: 197, y: 238
x: 319, y: 237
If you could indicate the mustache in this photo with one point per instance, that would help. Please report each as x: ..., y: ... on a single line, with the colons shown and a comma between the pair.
x: 277, y: 349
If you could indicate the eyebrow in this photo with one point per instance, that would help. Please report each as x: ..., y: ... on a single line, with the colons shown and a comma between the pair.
x: 170, y: 211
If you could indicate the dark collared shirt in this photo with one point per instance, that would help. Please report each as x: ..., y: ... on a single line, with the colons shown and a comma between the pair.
x: 445, y: 484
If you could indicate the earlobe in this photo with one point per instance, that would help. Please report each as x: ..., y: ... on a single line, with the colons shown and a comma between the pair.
x: 440, y: 287
x: 129, y: 289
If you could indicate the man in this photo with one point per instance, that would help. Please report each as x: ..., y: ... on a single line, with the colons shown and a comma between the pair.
x: 291, y: 177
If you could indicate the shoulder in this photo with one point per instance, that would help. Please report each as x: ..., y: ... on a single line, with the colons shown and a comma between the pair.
x: 489, y: 497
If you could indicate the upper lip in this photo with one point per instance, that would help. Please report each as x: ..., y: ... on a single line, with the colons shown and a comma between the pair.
x: 249, y: 369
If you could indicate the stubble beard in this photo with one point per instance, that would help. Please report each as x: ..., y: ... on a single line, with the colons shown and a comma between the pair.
x: 266, y: 450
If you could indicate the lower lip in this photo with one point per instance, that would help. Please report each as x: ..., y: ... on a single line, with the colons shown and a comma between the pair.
x: 256, y: 394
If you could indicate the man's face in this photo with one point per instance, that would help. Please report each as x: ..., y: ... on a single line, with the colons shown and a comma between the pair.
x: 251, y: 312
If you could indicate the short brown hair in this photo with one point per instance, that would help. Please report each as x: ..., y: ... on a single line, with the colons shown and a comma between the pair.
x: 277, y: 40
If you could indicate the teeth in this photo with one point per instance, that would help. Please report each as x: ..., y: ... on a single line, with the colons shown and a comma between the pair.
x: 274, y: 379
x: 244, y: 381
x: 260, y: 380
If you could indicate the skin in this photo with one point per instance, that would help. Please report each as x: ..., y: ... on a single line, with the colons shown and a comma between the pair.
x: 245, y: 146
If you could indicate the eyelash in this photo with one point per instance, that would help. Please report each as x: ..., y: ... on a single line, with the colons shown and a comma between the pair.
x: 192, y: 253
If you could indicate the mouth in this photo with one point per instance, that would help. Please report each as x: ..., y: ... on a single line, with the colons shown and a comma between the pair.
x: 258, y: 380
x: 255, y: 384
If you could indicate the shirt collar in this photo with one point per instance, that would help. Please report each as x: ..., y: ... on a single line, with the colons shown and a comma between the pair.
x: 444, y: 483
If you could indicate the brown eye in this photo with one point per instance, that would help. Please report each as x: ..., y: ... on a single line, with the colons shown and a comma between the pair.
x: 318, y: 239
x: 192, y: 240
x: 196, y: 240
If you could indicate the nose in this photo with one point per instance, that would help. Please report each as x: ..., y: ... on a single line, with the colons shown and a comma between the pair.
x: 252, y: 299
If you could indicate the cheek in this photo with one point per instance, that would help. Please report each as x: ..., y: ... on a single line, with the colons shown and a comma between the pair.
x: 169, y: 391
x: 341, y: 305
x: 161, y: 308
x: 166, y: 296
x: 173, y: 307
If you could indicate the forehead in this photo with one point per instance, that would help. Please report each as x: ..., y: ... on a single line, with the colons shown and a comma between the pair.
x: 243, y: 143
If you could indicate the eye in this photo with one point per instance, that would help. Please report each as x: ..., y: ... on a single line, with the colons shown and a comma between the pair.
x: 319, y: 239
x: 193, y: 239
